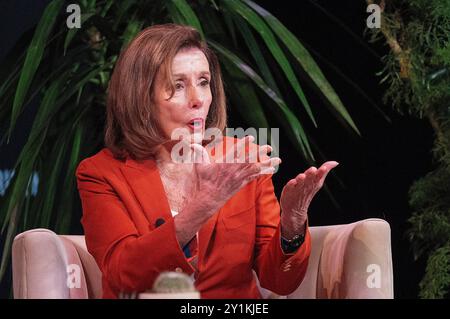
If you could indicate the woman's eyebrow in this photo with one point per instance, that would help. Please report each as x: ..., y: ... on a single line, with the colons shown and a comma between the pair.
x: 183, y: 76
x: 205, y: 73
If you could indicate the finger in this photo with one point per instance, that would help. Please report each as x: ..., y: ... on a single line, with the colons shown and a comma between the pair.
x: 330, y: 165
x: 255, y: 176
x: 325, y: 169
x: 269, y: 166
x: 265, y: 148
x: 271, y: 161
x: 252, y: 153
x: 262, y: 168
x: 292, y: 182
x: 300, y: 178
x: 311, y: 172
x: 242, y: 152
x: 234, y: 152
x: 267, y: 170
x: 289, y: 188
x: 247, y: 170
x: 263, y: 152
x: 200, y: 154
x: 321, y: 173
x: 250, y: 174
x: 258, y: 153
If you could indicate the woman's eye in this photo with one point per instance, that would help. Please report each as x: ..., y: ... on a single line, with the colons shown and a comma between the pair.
x: 178, y: 86
x: 204, y: 83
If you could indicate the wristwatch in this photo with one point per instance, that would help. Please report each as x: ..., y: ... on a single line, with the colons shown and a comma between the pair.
x: 291, y: 245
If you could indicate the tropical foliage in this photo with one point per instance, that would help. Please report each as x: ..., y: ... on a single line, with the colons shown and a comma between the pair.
x: 417, y: 73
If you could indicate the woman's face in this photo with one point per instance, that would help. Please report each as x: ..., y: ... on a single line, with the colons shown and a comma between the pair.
x: 189, y: 105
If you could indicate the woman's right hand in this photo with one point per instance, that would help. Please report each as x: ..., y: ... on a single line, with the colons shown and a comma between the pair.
x: 217, y: 180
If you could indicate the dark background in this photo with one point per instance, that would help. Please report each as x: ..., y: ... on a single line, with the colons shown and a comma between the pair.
x: 376, y: 169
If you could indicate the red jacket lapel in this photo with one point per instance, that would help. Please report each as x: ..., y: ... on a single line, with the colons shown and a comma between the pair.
x: 145, y: 182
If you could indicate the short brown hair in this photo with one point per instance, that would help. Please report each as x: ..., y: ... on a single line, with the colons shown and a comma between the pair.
x: 132, y: 128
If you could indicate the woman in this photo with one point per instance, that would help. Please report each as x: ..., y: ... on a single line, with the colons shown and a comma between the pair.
x: 144, y: 212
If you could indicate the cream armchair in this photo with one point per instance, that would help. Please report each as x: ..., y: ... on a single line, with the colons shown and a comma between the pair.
x: 347, y: 261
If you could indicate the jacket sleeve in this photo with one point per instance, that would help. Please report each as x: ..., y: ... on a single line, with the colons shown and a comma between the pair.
x: 278, y: 272
x: 129, y: 261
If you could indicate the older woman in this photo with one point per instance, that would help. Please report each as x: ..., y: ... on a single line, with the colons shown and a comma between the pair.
x: 145, y: 213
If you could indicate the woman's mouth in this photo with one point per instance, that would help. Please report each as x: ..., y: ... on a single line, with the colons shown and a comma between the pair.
x: 196, y: 124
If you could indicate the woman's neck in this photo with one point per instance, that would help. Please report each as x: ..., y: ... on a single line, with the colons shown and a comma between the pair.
x: 163, y: 153
x: 168, y: 166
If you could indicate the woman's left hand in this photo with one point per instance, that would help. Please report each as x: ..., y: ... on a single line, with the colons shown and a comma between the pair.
x: 297, y: 195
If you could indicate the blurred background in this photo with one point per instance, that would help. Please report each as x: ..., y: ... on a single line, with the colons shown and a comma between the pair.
x: 383, y: 145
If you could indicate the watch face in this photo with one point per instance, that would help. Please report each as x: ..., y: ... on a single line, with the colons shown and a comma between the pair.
x: 297, y: 240
x: 292, y: 245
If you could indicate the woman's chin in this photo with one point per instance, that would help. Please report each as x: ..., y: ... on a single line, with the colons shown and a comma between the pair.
x: 196, y: 138
x: 188, y: 134
x: 192, y: 138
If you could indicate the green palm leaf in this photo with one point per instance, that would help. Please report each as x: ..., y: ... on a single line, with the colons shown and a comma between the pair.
x: 294, y: 124
x: 305, y: 60
x: 33, y: 57
x: 257, y: 55
x: 65, y: 207
x: 266, y: 34
x: 184, y: 14
x: 241, y: 90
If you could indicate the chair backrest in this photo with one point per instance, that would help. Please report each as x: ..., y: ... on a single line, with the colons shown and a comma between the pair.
x: 347, y: 261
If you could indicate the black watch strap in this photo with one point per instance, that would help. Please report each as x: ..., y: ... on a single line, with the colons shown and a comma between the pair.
x: 289, y: 246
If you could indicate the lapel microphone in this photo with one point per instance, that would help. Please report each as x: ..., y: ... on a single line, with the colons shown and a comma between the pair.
x: 159, y: 222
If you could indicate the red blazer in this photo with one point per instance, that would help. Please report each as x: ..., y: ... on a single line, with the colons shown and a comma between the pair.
x: 121, y: 202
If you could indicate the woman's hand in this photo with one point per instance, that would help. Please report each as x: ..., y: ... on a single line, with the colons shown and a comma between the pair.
x: 218, y: 180
x: 297, y: 195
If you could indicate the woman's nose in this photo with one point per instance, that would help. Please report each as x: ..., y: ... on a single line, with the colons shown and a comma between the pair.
x: 195, y: 97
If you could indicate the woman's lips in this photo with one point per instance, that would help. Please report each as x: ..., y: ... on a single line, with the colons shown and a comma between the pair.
x: 196, y: 124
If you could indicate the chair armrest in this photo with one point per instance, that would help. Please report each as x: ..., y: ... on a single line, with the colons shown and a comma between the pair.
x: 356, y: 261
x: 41, y: 262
